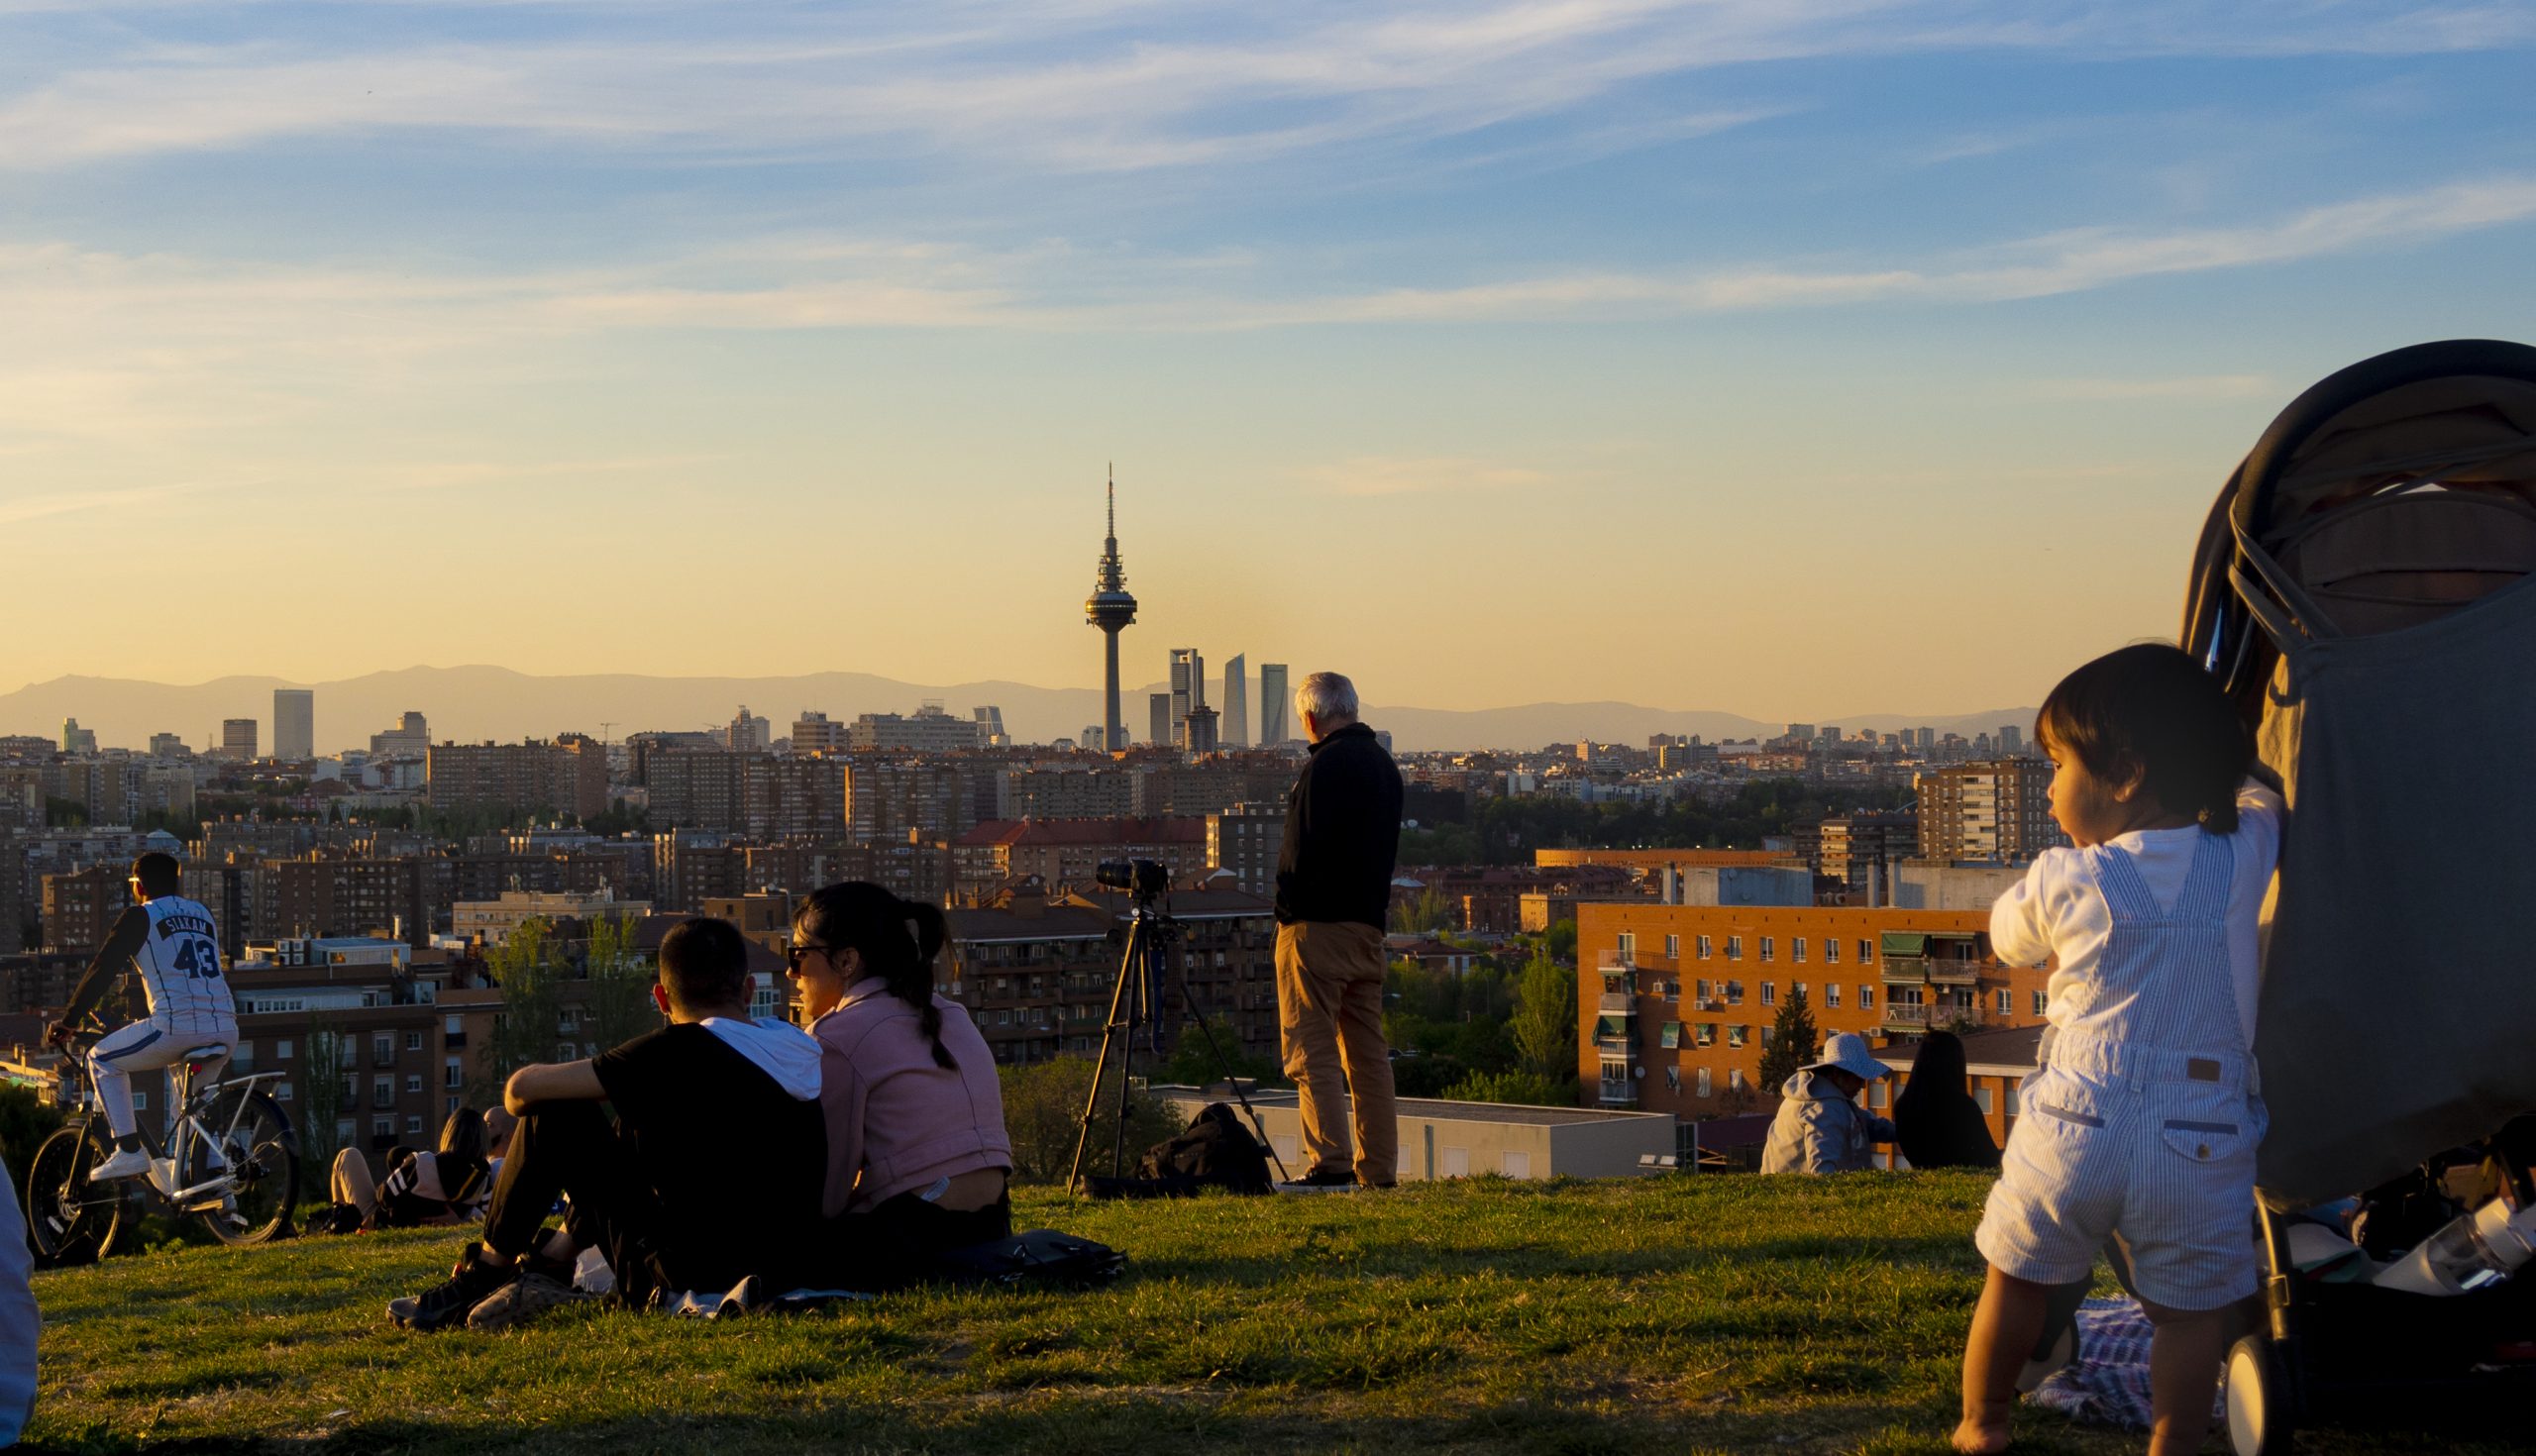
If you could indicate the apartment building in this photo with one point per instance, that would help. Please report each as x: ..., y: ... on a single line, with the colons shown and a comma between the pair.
x: 568, y: 775
x: 1997, y: 811
x: 930, y: 729
x: 1860, y: 850
x: 493, y: 921
x: 1066, y: 852
x: 1677, y: 1002
x: 81, y: 907
x: 1247, y: 840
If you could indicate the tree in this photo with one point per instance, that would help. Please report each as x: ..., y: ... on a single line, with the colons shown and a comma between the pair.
x: 1792, y: 1041
x: 1561, y: 941
x: 1044, y: 1108
x: 1430, y: 912
x: 620, y: 983
x: 524, y: 966
x: 26, y: 1120
x: 1192, y: 1063
x: 321, y: 1091
x: 1528, y: 1089
x: 1545, y: 1021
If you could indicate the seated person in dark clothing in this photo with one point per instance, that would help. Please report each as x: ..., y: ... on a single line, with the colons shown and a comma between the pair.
x: 711, y: 1170
x: 917, y: 1154
x: 1934, y: 1120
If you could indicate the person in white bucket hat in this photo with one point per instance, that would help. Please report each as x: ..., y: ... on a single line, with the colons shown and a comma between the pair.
x: 1820, y: 1127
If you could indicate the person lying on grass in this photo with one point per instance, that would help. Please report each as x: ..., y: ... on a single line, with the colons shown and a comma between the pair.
x: 711, y: 1171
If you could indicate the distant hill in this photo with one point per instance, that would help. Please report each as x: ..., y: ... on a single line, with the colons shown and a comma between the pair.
x: 473, y: 703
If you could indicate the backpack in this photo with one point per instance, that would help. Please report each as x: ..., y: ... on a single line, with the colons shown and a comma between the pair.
x: 1041, y: 1256
x: 1216, y: 1150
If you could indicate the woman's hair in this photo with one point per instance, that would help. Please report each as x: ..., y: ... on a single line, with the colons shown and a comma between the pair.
x: 2152, y: 708
x: 463, y: 1136
x: 899, y: 941
x: 1937, y: 1070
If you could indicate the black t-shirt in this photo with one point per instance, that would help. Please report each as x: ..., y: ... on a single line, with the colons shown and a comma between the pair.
x: 736, y: 1163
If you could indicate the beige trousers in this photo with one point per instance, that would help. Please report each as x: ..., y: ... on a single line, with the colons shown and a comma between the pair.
x: 1330, y: 1020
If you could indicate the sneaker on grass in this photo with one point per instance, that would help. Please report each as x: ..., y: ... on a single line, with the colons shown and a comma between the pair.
x: 1320, y: 1183
x: 535, y: 1291
x: 449, y: 1301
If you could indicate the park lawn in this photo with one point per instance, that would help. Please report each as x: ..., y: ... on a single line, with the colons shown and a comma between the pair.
x: 1671, y: 1315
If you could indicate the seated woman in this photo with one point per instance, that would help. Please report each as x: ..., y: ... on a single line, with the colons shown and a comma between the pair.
x: 1936, y: 1121
x: 917, y: 1155
x: 449, y: 1185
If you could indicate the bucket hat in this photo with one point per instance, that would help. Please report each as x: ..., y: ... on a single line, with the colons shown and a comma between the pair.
x: 1846, y: 1050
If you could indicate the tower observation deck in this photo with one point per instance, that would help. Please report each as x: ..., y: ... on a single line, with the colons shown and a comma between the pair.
x: 1110, y: 608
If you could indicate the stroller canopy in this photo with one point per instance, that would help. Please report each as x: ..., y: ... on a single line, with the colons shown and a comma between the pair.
x: 2361, y: 585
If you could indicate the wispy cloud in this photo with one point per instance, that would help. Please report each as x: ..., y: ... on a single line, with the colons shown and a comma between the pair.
x: 17, y: 510
x: 1082, y: 87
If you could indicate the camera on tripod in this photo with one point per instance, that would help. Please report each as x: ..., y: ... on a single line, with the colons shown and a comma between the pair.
x: 1145, y: 879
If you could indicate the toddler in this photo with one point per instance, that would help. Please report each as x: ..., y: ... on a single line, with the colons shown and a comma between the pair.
x: 2142, y: 1116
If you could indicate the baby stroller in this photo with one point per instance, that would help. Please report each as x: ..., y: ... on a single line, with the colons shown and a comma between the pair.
x: 2361, y: 588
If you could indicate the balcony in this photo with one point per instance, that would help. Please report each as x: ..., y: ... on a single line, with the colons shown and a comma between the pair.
x: 1619, y: 1095
x: 1922, y: 1017
x: 1616, y: 960
x: 1616, y: 1002
x: 1906, y: 969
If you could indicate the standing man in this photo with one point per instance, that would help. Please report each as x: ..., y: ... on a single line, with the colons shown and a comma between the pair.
x: 1333, y: 901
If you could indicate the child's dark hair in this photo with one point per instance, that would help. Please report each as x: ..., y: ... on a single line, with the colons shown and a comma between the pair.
x: 898, y: 939
x: 705, y: 963
x: 2151, y: 707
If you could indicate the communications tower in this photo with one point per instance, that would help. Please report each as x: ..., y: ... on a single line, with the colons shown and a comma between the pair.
x: 1110, y: 608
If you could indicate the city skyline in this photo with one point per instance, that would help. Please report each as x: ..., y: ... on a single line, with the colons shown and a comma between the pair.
x: 1464, y: 319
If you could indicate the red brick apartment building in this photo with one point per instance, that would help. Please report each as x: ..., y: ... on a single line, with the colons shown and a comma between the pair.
x: 1677, y: 1003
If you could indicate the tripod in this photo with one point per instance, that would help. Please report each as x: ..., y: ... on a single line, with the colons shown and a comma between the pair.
x: 1134, y: 1003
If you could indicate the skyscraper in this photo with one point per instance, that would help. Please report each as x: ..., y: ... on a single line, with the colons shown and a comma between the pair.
x: 1237, y: 724
x: 1159, y: 723
x: 237, y: 737
x: 1111, y: 609
x: 1188, y: 686
x: 1272, y: 704
x: 294, y: 723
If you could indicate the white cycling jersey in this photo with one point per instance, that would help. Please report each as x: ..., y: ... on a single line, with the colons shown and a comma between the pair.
x: 180, y: 965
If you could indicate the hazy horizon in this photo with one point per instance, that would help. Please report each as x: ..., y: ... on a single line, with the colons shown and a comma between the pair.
x: 1700, y: 351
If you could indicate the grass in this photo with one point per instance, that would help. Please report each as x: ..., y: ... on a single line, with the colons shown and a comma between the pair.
x: 1673, y: 1315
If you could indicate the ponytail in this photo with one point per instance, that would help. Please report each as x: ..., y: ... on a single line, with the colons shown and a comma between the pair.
x: 898, y: 940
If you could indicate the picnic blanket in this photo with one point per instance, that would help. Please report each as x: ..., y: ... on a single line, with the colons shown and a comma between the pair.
x: 2108, y: 1383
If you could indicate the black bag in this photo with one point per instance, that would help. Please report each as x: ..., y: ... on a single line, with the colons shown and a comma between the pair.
x: 1040, y: 1256
x: 1216, y: 1150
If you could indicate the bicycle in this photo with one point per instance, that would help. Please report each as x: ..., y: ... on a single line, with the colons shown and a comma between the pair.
x: 232, y: 1160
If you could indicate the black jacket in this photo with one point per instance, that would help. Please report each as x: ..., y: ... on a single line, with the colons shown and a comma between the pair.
x: 1342, y: 833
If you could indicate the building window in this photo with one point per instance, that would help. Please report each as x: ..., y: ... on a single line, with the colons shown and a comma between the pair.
x: 281, y: 1092
x: 1672, y: 989
x: 1673, y: 948
x: 383, y: 1127
x: 281, y: 1050
x: 2007, y: 1002
x: 1769, y: 1036
x: 1672, y: 1079
x: 383, y: 1050
x: 1769, y: 947
x: 242, y: 1056
x: 1769, y: 989
x: 413, y: 1125
x: 1736, y: 1035
x: 413, y: 1041
x: 1735, y: 992
x: 140, y: 1100
x: 1830, y: 950
x: 1706, y: 992
x: 1867, y: 998
x: 2041, y: 1001
x: 1796, y: 949
x: 1734, y: 1078
x: 382, y: 1092
x: 451, y: 1076
x: 1875, y: 1094
x: 413, y: 1083
x: 1735, y: 947
x: 1983, y: 1096
x: 566, y: 1052
x: 1832, y: 996
x: 2011, y: 1097
x: 1866, y: 952
x: 1704, y: 1088
x: 1703, y: 947
x: 1629, y: 945
x: 1708, y: 1034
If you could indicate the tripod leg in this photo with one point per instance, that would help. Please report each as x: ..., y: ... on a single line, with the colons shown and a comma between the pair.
x: 1134, y: 976
x: 1091, y: 1099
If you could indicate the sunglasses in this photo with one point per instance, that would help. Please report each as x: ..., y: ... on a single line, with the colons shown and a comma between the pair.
x: 792, y: 955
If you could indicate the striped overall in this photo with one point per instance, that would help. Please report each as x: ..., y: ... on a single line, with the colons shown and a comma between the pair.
x: 2143, y: 1119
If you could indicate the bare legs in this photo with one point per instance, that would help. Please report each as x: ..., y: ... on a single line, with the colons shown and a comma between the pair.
x: 2005, y: 1325
x: 2183, y: 1373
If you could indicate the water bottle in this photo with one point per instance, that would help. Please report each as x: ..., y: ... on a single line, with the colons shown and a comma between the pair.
x: 2478, y: 1250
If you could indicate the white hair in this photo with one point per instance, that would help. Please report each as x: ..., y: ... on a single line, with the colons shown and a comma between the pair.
x: 1327, y: 697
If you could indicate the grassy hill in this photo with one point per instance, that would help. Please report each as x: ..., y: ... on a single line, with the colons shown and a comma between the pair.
x: 1664, y: 1315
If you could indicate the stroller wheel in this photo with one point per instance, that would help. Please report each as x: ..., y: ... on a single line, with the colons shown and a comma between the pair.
x: 2261, y: 1414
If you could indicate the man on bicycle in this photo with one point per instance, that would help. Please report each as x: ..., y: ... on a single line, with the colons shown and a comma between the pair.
x: 174, y: 946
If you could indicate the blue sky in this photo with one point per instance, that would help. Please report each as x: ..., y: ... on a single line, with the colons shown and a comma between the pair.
x: 1784, y: 358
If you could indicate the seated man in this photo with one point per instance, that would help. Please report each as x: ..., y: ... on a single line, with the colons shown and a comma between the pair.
x: 713, y: 1170
x: 173, y: 946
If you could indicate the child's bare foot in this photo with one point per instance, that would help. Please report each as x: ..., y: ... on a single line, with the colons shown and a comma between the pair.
x: 1984, y: 1434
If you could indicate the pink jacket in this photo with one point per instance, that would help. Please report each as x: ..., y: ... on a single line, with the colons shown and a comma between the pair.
x: 897, y: 1121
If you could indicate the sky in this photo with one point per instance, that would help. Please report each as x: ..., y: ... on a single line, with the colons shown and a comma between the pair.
x: 1781, y: 358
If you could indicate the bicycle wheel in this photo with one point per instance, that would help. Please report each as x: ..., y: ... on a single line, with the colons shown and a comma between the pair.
x: 262, y: 1156
x: 70, y: 1221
